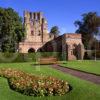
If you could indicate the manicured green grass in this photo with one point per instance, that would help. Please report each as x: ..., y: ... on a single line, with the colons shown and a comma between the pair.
x: 82, y: 90
x: 87, y: 66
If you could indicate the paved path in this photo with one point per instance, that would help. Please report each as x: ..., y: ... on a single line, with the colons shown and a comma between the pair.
x: 86, y: 76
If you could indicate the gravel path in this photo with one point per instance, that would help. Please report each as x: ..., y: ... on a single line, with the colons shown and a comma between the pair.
x: 86, y: 76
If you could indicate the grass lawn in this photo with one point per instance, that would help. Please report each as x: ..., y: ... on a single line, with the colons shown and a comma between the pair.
x: 82, y: 90
x: 87, y: 66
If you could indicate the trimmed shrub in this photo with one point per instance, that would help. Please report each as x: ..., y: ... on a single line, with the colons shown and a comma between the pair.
x: 97, y: 54
x: 92, y: 54
x: 32, y: 85
x: 27, y: 57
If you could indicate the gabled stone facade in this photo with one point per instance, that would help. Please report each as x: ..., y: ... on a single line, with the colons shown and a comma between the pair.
x: 38, y: 39
x: 36, y: 31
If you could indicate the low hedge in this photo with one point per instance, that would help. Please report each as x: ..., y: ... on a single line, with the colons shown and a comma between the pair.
x: 32, y: 85
x: 16, y: 57
x: 27, y: 57
x: 97, y: 54
x: 92, y: 54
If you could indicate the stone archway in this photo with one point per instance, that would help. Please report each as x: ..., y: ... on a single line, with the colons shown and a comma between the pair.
x: 75, y: 51
x: 31, y: 50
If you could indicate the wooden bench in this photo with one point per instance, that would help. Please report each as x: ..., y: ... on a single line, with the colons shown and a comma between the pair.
x: 47, y: 60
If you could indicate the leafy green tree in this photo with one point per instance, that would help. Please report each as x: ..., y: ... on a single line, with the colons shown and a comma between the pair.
x: 88, y: 27
x: 11, y: 29
x: 55, y: 31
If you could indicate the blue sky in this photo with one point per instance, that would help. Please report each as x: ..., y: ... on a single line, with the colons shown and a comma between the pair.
x: 62, y: 13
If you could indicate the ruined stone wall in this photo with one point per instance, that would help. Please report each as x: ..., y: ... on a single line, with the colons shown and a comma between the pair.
x: 75, y: 48
x: 69, y: 44
x: 37, y: 38
x: 36, y: 31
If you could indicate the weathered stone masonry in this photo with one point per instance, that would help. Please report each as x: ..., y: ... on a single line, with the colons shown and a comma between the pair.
x: 36, y: 32
x: 38, y: 38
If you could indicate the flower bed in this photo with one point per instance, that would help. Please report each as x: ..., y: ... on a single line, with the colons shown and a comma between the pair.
x: 34, y: 85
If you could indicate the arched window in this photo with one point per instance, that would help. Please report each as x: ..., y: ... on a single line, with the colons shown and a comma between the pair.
x: 32, y: 32
x: 71, y: 52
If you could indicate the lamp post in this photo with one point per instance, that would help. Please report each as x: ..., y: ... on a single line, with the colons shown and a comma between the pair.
x: 95, y: 52
x: 95, y: 49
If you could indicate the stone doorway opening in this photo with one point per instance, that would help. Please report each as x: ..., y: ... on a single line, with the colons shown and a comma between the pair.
x: 31, y: 50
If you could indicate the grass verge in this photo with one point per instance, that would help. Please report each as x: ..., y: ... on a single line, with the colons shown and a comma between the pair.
x: 82, y: 90
x: 86, y: 65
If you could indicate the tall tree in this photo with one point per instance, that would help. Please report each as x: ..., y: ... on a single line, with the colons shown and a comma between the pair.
x: 11, y: 29
x: 55, y: 31
x: 88, y: 27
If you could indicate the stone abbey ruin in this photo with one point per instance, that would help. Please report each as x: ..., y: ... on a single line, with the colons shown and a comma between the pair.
x: 38, y: 38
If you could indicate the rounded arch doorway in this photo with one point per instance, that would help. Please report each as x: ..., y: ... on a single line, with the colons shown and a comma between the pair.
x: 31, y: 50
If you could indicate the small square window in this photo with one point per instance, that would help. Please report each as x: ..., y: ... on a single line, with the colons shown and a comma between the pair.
x: 32, y: 32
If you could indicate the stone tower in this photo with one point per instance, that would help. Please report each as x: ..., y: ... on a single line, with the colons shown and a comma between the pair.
x: 36, y: 31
